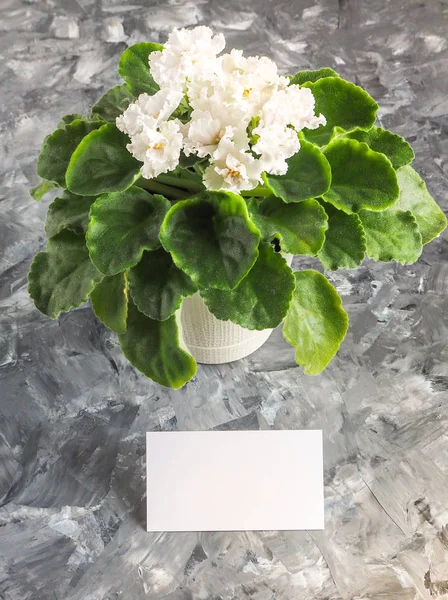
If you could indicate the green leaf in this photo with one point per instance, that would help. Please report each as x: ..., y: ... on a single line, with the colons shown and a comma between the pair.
x: 67, y: 119
x: 101, y: 163
x: 58, y: 148
x: 122, y: 225
x: 183, y: 111
x: 38, y: 192
x: 308, y: 175
x: 311, y: 76
x: 189, y: 161
x: 68, y: 212
x: 134, y: 68
x: 113, y: 103
x: 182, y: 178
x: 261, y: 299
x: 110, y: 302
x: 316, y: 323
x: 343, y: 104
x: 361, y: 178
x: 345, y: 242
x: 392, y: 235
x: 415, y: 197
x: 157, y: 286
x: 396, y: 148
x: 211, y: 238
x: 153, y: 348
x: 300, y: 227
x: 63, y: 276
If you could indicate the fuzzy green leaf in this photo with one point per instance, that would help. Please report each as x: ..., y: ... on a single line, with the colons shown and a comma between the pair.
x: 345, y: 242
x: 361, y: 178
x: 153, y: 348
x: 157, y: 286
x: 113, y: 103
x: 396, y: 148
x: 343, y: 104
x: 308, y: 175
x: 134, y: 68
x: 110, y: 302
x: 188, y: 161
x: 311, y: 76
x: 101, y: 163
x: 211, y: 238
x: 261, y: 299
x: 58, y: 148
x: 300, y: 227
x: 63, y: 276
x: 68, y: 212
x: 182, y: 178
x: 67, y: 119
x: 316, y: 323
x: 415, y: 197
x: 392, y: 235
x: 122, y: 225
x: 38, y: 191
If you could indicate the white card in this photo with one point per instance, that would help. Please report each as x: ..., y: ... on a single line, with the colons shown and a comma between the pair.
x: 234, y: 480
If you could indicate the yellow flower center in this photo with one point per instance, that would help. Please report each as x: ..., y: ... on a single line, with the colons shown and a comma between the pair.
x: 246, y: 92
x: 158, y: 146
x: 233, y: 173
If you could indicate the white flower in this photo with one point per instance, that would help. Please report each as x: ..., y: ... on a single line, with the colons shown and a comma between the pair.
x: 247, y: 82
x: 283, y: 82
x: 261, y: 71
x: 204, y: 134
x: 227, y: 95
x: 302, y: 104
x: 161, y: 105
x: 291, y: 106
x: 214, y: 98
x: 148, y: 111
x: 232, y: 169
x: 205, y: 131
x: 275, y: 145
x: 239, y: 84
x: 158, y: 149
x: 187, y: 54
x: 130, y: 121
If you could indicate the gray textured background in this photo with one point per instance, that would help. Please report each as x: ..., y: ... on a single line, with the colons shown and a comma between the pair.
x: 73, y: 413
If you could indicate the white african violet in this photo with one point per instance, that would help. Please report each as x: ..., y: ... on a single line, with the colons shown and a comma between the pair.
x: 228, y: 95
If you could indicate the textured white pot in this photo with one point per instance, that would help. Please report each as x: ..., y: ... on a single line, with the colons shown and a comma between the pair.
x: 211, y: 341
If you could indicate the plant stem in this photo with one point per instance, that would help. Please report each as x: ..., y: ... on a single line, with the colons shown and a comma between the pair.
x: 258, y: 191
x: 199, y: 169
x: 186, y: 184
x: 170, y: 192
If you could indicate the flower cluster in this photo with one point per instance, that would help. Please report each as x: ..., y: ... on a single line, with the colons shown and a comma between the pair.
x: 244, y: 117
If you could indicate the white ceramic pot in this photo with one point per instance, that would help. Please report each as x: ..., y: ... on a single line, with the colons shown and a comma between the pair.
x: 211, y: 341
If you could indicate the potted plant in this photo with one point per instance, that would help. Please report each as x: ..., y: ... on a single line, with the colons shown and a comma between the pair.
x: 186, y: 191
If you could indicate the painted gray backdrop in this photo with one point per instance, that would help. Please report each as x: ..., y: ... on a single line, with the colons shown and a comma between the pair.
x: 73, y: 412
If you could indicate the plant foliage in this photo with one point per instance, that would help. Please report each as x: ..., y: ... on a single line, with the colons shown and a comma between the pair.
x: 138, y: 245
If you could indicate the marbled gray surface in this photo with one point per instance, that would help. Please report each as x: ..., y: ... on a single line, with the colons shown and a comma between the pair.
x: 73, y: 413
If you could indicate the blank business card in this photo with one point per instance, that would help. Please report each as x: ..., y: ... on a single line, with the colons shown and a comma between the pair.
x: 234, y: 480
